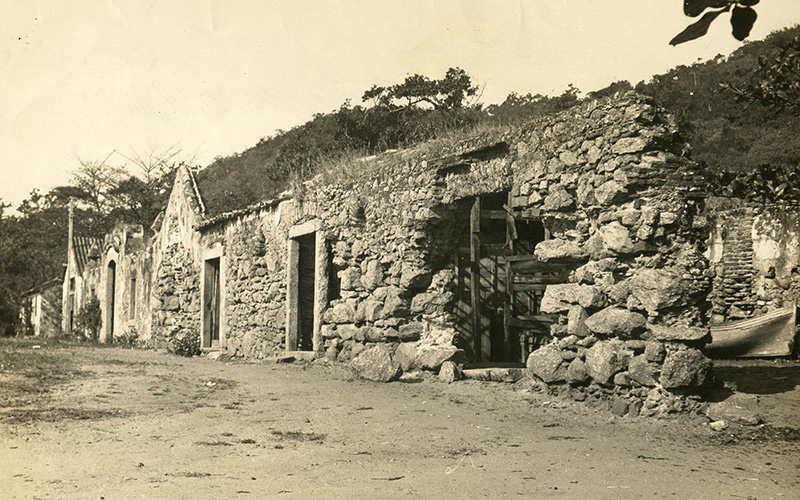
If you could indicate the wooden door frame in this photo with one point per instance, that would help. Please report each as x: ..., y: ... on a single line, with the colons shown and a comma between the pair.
x: 293, y: 281
x: 211, y: 254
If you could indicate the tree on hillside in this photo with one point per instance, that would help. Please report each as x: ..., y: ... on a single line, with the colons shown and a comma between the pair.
x: 394, y: 116
x: 742, y: 18
x: 447, y: 94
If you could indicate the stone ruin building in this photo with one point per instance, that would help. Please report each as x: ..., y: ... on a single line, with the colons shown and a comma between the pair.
x: 581, y: 245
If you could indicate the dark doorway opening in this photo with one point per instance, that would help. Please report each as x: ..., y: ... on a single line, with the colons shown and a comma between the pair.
x: 500, y: 283
x: 71, y: 305
x: 111, y: 283
x: 305, y: 291
x: 211, y: 303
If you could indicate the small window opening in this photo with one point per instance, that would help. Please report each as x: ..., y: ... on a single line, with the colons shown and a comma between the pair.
x: 529, y: 233
x: 334, y: 283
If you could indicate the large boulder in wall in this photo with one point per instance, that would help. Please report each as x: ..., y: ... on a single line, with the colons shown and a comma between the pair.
x: 432, y: 357
x: 557, y: 249
x: 687, y: 368
x: 547, y: 364
x: 616, y: 322
x: 605, y: 359
x: 413, y: 356
x: 377, y: 364
x: 560, y: 298
x: 659, y: 289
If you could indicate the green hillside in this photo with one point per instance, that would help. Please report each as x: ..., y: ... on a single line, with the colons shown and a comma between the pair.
x: 731, y: 135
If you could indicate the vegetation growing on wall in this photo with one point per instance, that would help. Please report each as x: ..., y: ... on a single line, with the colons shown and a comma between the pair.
x: 726, y: 108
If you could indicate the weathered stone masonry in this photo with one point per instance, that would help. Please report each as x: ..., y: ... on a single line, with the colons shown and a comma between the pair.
x: 606, y: 180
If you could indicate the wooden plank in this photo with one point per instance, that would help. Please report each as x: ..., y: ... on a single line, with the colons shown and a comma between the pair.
x: 474, y: 285
x: 511, y: 225
x: 520, y: 258
x: 527, y: 287
x: 546, y: 318
x: 493, y: 214
x: 507, y: 309
x: 531, y: 323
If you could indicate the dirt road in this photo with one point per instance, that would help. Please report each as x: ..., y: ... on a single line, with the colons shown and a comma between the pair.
x: 124, y: 424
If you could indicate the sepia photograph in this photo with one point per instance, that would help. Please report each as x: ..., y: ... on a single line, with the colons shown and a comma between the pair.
x: 428, y: 249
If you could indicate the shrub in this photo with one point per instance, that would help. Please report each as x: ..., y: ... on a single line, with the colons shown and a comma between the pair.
x: 186, y: 343
x: 89, y: 319
x: 130, y: 338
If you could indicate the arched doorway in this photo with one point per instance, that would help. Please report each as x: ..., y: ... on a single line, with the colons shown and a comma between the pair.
x: 111, y: 282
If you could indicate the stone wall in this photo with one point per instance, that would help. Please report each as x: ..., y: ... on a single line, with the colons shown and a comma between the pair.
x: 175, y: 261
x: 606, y: 180
x: 255, y: 257
x: 175, y: 303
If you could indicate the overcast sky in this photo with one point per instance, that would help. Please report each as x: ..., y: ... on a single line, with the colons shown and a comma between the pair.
x: 82, y: 78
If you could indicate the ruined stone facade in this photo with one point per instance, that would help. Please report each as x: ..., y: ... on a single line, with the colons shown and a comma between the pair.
x: 575, y: 244
x: 754, y: 250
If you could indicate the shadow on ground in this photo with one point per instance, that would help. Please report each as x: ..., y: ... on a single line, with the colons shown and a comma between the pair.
x: 757, y: 376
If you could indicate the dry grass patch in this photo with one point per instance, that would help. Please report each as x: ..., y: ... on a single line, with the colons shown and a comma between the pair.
x: 299, y: 436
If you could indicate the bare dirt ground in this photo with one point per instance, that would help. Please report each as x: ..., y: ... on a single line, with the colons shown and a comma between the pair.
x: 87, y: 422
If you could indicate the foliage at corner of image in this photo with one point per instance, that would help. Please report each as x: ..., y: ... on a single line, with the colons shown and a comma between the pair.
x: 742, y: 18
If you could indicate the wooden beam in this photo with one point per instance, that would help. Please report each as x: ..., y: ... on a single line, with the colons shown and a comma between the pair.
x: 475, y: 281
x: 511, y: 225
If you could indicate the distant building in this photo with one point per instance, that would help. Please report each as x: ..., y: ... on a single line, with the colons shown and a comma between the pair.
x: 40, y: 313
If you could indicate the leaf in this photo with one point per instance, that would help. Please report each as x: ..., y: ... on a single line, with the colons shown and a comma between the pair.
x: 698, y: 29
x: 694, y: 8
x: 748, y: 3
x: 742, y: 20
